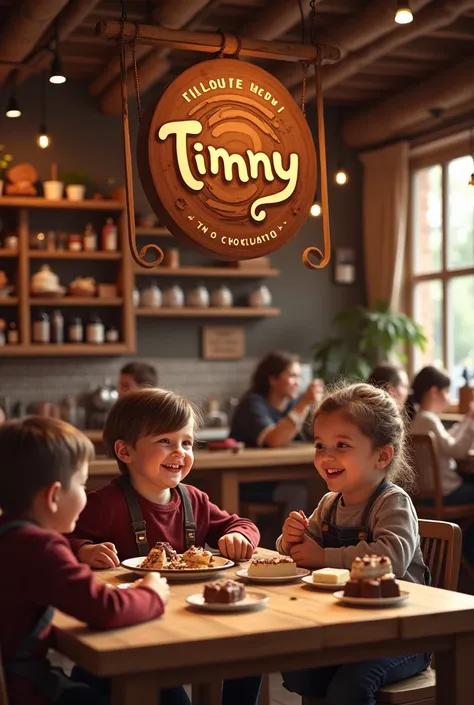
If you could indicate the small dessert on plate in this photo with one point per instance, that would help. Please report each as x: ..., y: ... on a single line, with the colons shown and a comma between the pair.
x: 197, y: 556
x: 372, y: 578
x: 156, y: 559
x: 332, y: 576
x: 369, y: 567
x: 274, y: 567
x: 224, y: 591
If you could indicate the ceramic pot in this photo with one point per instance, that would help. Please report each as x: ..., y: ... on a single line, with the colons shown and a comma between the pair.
x: 53, y: 190
x: 75, y: 192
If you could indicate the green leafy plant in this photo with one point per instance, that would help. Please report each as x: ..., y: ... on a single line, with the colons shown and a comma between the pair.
x: 5, y: 162
x: 368, y: 337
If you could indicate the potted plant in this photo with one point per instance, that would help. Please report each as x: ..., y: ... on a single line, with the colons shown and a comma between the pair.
x: 368, y: 337
x: 76, y: 183
x: 5, y: 162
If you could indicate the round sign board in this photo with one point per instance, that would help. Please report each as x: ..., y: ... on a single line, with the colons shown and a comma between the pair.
x: 227, y: 160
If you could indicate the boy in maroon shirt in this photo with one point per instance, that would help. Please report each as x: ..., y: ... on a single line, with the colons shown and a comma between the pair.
x: 42, y: 490
x: 150, y: 432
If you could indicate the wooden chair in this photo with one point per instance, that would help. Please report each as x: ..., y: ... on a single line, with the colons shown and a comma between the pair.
x: 426, y: 459
x: 441, y: 544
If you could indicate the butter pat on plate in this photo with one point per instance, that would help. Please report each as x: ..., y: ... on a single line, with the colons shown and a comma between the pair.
x: 332, y: 576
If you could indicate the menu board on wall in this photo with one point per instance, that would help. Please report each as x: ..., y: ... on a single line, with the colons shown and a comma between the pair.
x: 223, y: 342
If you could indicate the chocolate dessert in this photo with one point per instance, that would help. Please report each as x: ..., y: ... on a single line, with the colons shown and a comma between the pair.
x: 224, y: 591
x: 389, y: 586
x: 370, y: 589
x: 352, y: 588
x: 171, y: 554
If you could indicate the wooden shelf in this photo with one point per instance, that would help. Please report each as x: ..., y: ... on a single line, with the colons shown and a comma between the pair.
x: 212, y: 312
x: 8, y: 253
x: 66, y: 349
x: 66, y: 254
x: 231, y: 272
x: 75, y: 301
x: 8, y: 301
x: 35, y: 202
x: 153, y: 231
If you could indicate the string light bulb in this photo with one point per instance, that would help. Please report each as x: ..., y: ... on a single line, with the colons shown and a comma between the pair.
x: 341, y: 177
x: 13, y: 108
x: 43, y: 140
x: 403, y: 14
x: 315, y: 209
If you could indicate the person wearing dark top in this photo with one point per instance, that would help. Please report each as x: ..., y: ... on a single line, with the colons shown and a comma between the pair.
x: 135, y: 375
x: 272, y: 415
x: 42, y: 490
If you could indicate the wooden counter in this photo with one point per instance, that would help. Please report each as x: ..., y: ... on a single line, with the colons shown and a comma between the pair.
x: 221, y: 472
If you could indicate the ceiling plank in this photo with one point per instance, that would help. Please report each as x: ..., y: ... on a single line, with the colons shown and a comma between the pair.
x: 25, y: 25
x: 430, y: 18
x: 275, y: 18
x: 165, y: 14
x: 408, y: 108
x: 374, y: 21
x: 69, y: 20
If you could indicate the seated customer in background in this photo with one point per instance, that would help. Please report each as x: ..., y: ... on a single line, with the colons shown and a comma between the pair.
x: 271, y: 414
x: 393, y: 379
x: 135, y: 375
x: 431, y: 396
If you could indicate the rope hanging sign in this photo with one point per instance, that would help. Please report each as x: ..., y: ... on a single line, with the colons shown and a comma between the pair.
x: 227, y: 160
x: 226, y: 157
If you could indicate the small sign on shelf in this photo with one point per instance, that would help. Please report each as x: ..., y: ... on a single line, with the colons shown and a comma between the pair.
x: 223, y: 342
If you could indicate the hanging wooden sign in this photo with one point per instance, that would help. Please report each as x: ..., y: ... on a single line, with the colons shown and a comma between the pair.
x: 227, y: 160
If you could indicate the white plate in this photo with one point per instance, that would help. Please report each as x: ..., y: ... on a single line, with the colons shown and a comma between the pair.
x: 371, y: 601
x: 252, y: 601
x: 322, y: 586
x: 220, y: 564
x: 300, y: 573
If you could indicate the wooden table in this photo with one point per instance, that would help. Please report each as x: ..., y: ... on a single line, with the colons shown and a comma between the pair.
x: 299, y: 628
x: 221, y: 472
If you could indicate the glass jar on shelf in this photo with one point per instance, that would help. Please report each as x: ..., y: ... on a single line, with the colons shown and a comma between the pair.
x: 75, y: 331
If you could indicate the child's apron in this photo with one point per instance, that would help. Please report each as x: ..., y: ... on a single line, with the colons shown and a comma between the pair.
x: 139, y: 524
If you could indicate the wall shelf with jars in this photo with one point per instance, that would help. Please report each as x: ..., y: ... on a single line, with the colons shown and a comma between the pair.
x: 44, y: 246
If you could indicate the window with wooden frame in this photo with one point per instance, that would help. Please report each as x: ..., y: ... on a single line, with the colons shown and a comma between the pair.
x: 441, y: 258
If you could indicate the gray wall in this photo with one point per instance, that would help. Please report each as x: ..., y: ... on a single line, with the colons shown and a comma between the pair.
x: 85, y: 139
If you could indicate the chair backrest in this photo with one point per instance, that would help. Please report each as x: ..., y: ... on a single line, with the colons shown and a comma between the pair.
x: 425, y: 457
x: 3, y: 685
x: 441, y: 545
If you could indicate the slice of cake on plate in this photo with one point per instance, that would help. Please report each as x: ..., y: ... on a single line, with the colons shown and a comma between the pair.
x: 224, y: 591
x: 197, y: 557
x: 157, y: 558
x: 372, y: 577
x: 274, y: 567
x: 331, y: 576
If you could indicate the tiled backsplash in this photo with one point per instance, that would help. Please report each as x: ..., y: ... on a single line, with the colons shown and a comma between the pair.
x: 53, y: 380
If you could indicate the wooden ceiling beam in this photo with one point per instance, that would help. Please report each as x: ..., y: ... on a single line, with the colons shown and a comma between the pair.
x: 406, y: 109
x: 274, y: 19
x: 430, y: 18
x: 166, y: 14
x: 25, y: 25
x: 358, y: 31
x: 70, y: 19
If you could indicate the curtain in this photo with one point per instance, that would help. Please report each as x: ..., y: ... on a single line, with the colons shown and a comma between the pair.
x: 385, y: 215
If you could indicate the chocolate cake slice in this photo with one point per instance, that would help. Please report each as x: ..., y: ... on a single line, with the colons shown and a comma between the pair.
x: 224, y: 591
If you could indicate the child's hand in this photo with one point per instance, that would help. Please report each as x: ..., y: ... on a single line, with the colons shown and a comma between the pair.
x: 308, y: 553
x: 158, y: 584
x: 235, y: 546
x: 99, y: 555
x: 294, y: 528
